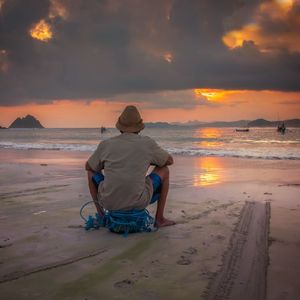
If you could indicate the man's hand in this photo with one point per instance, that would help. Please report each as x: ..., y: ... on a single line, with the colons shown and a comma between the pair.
x: 87, y: 167
x: 169, y: 161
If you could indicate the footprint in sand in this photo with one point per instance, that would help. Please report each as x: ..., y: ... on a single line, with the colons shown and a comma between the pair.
x: 198, y: 226
x: 190, y: 250
x: 183, y: 261
x: 124, y: 283
x: 207, y: 274
x: 220, y: 237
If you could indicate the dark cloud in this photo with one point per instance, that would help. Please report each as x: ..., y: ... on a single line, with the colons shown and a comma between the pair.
x: 110, y: 48
x: 166, y: 99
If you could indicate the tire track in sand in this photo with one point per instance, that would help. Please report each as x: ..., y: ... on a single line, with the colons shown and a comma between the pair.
x: 244, y: 264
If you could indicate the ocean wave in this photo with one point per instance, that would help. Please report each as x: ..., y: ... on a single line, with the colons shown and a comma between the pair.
x: 238, y: 153
x: 48, y: 146
x: 269, y: 142
x: 261, y: 153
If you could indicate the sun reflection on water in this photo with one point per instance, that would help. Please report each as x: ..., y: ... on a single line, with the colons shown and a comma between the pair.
x: 211, y: 133
x: 210, y: 136
x: 208, y: 171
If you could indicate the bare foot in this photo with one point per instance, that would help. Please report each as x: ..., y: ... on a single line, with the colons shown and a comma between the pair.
x: 164, y: 222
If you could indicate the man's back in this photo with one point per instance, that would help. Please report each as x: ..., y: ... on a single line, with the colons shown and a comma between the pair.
x: 125, y: 160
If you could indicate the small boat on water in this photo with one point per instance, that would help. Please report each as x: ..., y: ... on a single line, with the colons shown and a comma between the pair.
x: 242, y: 129
x: 281, y: 128
x: 102, y: 129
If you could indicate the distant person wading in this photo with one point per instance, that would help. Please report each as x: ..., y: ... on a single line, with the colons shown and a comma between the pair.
x: 117, y: 170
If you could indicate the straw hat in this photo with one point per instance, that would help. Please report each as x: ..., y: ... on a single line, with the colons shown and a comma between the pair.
x: 130, y: 120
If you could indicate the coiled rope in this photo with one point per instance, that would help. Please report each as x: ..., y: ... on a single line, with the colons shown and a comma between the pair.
x: 124, y: 222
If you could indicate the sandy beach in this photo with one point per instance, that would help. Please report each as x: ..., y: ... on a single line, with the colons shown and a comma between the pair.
x: 45, y: 253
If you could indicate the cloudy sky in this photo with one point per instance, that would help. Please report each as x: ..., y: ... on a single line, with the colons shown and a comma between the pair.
x: 77, y: 63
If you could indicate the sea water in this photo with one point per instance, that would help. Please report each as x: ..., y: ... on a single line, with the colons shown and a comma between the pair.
x: 260, y: 143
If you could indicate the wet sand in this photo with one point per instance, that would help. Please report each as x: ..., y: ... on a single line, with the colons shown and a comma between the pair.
x: 45, y: 253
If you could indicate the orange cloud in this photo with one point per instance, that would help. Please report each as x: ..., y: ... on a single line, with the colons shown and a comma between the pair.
x: 1, y: 4
x: 236, y: 38
x: 215, y: 94
x: 277, y: 12
x: 276, y: 9
x: 3, y: 60
x: 168, y: 57
x: 41, y: 31
x: 169, y: 6
x: 57, y: 9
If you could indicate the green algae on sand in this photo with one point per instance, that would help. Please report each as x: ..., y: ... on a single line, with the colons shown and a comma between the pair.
x: 90, y: 283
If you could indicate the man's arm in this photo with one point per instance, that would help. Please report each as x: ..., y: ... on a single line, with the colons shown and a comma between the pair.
x: 93, y: 189
x: 90, y: 173
x: 159, y: 156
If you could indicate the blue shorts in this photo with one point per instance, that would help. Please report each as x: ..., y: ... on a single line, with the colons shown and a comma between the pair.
x: 97, y: 178
x: 156, y: 183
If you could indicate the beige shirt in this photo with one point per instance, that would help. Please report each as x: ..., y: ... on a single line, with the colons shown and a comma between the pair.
x: 125, y: 160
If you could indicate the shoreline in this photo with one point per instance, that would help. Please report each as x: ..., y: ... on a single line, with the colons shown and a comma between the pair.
x: 42, y: 191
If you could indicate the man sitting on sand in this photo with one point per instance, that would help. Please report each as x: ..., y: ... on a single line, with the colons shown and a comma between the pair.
x: 124, y: 161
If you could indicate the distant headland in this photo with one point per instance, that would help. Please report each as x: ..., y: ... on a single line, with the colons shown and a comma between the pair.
x: 240, y: 123
x: 26, y: 122
x: 31, y: 122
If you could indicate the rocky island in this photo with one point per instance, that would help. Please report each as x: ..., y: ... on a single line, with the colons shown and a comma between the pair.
x: 26, y: 122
